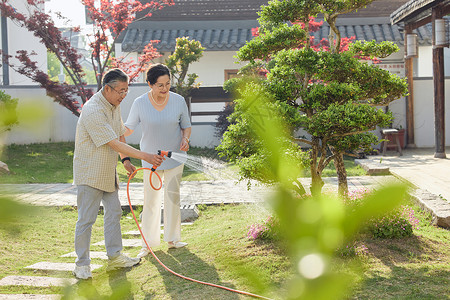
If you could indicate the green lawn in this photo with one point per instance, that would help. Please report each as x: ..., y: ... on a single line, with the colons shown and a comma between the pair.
x: 412, y: 268
x: 417, y: 267
x: 52, y: 163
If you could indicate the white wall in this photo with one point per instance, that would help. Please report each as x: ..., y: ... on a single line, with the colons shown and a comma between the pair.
x: 424, y: 62
x: 60, y: 125
x: 424, y: 113
x: 210, y: 68
x: 21, y: 39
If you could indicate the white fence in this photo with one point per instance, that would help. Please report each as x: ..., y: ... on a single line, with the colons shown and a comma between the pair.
x: 60, y: 126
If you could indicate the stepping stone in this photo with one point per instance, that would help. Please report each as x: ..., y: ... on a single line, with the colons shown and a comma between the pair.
x: 49, y: 266
x: 188, y: 212
x: 29, y: 297
x: 125, y: 243
x: 93, y: 254
x: 137, y: 233
x: 36, y: 281
x: 372, y: 168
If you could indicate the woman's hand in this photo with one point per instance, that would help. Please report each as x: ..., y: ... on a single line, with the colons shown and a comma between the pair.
x: 129, y: 167
x: 184, y: 144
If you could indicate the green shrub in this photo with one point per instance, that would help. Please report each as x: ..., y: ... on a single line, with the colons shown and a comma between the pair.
x: 352, y: 249
x: 8, y: 114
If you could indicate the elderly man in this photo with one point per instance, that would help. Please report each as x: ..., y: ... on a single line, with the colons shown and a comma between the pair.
x: 99, y: 137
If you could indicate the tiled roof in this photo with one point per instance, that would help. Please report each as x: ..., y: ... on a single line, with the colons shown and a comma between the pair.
x: 419, y: 8
x: 231, y: 35
x: 213, y: 35
x: 195, y: 10
x: 379, y: 29
x: 376, y: 9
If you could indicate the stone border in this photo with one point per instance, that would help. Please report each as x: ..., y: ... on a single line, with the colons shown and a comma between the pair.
x: 438, y: 208
x: 431, y: 203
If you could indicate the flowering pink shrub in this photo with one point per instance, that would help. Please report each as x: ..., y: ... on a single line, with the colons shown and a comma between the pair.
x: 409, y: 214
x: 397, y: 224
x: 266, y: 231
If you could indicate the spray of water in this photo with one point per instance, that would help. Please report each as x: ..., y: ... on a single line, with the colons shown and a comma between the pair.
x: 218, y: 171
x: 212, y: 168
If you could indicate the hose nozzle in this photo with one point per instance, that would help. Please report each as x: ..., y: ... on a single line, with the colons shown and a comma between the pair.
x: 162, y: 153
x: 165, y: 153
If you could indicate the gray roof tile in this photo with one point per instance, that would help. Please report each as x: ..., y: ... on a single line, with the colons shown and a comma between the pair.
x: 231, y: 35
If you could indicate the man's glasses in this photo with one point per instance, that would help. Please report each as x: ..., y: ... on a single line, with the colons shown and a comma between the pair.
x: 122, y: 93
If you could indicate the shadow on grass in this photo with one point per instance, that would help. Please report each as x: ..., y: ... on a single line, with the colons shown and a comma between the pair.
x: 184, y: 262
x: 406, y: 282
x: 412, y: 268
x: 120, y: 286
x: 87, y: 289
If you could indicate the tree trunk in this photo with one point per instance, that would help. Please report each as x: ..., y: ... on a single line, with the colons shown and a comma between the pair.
x: 316, y: 183
x: 341, y: 172
x: 316, y: 176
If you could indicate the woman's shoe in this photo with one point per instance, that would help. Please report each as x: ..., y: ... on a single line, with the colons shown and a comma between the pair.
x: 144, y: 252
x: 176, y: 245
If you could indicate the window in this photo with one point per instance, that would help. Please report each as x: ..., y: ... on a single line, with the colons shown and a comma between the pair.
x: 231, y: 74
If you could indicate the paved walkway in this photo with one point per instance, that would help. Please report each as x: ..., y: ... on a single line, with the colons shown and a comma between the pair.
x: 431, y: 177
x: 417, y: 166
x: 192, y: 192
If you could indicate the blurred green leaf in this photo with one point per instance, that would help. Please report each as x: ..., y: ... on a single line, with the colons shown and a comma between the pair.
x: 10, y: 210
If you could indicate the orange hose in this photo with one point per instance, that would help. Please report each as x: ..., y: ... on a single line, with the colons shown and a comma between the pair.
x: 151, y: 173
x: 163, y: 265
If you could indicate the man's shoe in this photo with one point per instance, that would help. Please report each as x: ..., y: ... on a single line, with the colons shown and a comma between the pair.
x: 82, y: 272
x: 122, y: 261
x: 144, y: 252
x: 176, y: 245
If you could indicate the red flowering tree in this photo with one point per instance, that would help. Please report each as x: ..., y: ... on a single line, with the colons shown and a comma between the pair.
x: 109, y: 19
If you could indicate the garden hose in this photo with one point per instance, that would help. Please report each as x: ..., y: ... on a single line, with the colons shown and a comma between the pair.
x: 153, y: 169
x: 151, y: 251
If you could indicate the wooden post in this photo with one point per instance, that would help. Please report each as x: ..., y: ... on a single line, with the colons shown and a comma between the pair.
x: 439, y: 90
x: 410, y: 139
x: 4, y: 22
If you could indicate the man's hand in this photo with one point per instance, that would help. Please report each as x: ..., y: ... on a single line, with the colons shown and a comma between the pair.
x: 154, y: 159
x: 129, y: 167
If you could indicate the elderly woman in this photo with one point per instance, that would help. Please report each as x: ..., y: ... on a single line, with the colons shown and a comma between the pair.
x: 164, y: 119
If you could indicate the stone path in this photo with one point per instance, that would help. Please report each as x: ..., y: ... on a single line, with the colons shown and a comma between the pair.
x: 61, y: 269
x: 192, y: 192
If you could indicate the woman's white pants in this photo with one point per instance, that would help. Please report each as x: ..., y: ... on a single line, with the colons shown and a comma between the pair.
x: 151, y: 214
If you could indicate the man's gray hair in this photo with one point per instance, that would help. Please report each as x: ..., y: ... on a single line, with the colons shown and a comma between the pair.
x: 113, y: 76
